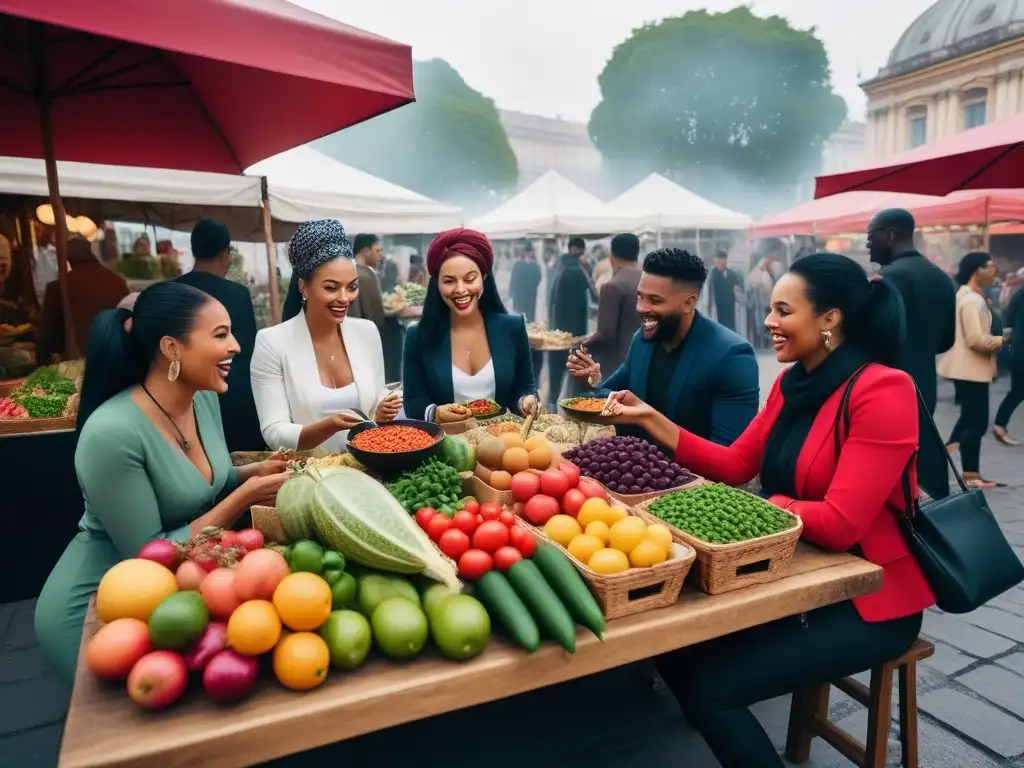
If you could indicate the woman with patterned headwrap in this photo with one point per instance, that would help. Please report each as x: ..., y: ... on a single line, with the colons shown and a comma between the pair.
x: 310, y: 374
x: 466, y: 346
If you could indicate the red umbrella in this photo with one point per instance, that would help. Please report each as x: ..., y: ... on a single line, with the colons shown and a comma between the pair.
x: 204, y: 85
x: 987, y: 157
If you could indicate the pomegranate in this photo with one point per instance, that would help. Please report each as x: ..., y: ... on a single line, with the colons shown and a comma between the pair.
x: 213, y: 640
x: 157, y: 680
x: 230, y: 676
x: 163, y: 551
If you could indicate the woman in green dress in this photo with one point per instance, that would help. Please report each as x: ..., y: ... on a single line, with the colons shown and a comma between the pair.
x: 151, y: 457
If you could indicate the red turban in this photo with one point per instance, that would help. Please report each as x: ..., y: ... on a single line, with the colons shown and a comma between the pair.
x: 460, y: 242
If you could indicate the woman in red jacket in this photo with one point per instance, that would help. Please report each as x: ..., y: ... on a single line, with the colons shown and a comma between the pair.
x: 832, y: 322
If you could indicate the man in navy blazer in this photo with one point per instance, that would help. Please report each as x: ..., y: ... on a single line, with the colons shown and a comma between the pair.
x: 697, y: 372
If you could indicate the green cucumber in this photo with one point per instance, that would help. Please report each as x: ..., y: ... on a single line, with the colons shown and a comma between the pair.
x: 565, y: 580
x: 506, y: 606
x: 528, y: 582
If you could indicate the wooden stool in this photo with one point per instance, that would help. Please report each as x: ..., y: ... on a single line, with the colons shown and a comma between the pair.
x: 808, y: 716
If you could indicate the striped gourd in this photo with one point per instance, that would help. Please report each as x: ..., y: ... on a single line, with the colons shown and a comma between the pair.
x: 355, y: 515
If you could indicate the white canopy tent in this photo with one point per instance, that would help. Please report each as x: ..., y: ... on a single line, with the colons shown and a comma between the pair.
x: 553, y: 205
x: 306, y: 184
x: 663, y: 204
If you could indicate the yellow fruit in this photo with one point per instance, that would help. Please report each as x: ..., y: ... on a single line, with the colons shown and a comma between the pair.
x: 303, y: 601
x: 537, y: 441
x: 562, y: 529
x: 541, y: 457
x: 608, y: 561
x: 500, y: 480
x: 647, y: 553
x: 599, y: 530
x: 132, y: 589
x: 626, y: 534
x: 512, y: 440
x: 660, y: 534
x: 584, y: 546
x: 254, y: 628
x: 592, y: 509
x: 301, y: 661
x: 614, y: 514
x: 516, y: 460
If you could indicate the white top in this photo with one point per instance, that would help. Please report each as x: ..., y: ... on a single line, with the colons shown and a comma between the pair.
x: 334, y: 401
x: 478, y: 387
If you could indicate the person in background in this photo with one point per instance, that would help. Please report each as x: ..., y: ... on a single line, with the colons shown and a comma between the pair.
x: 842, y: 333
x: 726, y: 290
x: 698, y: 373
x: 971, y: 364
x: 92, y: 288
x: 604, y: 268
x: 466, y: 346
x: 417, y: 273
x: 929, y: 301
x: 524, y: 284
x: 369, y: 304
x: 760, y: 282
x: 568, y: 310
x: 617, y: 318
x: 151, y: 459
x: 1013, y: 318
x: 44, y: 263
x: 211, y: 249
x: 311, y: 374
x: 388, y: 271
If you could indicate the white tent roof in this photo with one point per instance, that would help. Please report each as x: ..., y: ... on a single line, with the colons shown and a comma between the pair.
x: 663, y: 204
x: 553, y: 205
x: 307, y: 184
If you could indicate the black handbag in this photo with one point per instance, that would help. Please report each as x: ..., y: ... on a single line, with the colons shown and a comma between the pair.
x: 956, y: 541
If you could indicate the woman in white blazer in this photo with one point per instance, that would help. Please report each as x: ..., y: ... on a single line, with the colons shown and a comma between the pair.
x: 311, y: 374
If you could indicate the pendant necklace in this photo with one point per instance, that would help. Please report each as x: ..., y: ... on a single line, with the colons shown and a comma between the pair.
x: 186, y: 446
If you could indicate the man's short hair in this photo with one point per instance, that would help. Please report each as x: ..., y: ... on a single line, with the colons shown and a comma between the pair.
x: 721, y: 254
x: 577, y: 242
x: 676, y: 264
x: 210, y: 239
x: 626, y: 247
x: 898, y: 220
x: 364, y: 240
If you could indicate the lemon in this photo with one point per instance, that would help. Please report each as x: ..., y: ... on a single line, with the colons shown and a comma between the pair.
x: 614, y: 514
x: 598, y: 529
x: 626, y: 534
x: 608, y: 561
x: 562, y: 529
x: 584, y: 546
x: 647, y: 553
x: 592, y: 510
x: 660, y: 534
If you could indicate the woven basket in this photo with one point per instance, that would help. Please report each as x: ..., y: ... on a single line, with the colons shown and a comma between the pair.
x: 725, y: 567
x: 32, y: 426
x: 635, y: 590
x: 633, y: 499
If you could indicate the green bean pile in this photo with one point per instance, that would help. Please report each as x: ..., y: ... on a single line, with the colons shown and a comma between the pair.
x: 720, y: 514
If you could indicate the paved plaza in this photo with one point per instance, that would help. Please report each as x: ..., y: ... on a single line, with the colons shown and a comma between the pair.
x: 971, y: 693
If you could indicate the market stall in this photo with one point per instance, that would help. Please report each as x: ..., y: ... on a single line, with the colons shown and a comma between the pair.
x: 664, y: 205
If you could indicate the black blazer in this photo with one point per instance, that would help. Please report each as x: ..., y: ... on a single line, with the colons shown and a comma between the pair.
x: 427, y: 368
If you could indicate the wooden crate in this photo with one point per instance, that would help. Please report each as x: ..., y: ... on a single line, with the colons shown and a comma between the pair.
x: 33, y: 426
x: 725, y: 567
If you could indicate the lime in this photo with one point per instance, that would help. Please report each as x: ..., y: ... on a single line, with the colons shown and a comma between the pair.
x: 399, y: 628
x: 177, y: 620
x: 343, y: 591
x: 348, y: 637
x: 334, y: 560
x: 373, y: 589
x: 402, y: 588
x: 306, y: 557
x: 460, y: 627
x: 434, y: 597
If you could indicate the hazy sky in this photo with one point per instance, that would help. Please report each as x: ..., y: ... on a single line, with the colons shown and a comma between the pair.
x: 544, y: 56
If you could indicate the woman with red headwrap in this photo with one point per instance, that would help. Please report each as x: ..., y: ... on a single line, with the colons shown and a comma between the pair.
x: 466, y: 346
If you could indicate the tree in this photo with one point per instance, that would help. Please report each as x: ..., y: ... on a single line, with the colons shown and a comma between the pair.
x: 449, y: 145
x: 729, y: 104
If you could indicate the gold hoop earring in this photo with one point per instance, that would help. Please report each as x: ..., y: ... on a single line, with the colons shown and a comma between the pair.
x: 173, y: 370
x: 827, y: 338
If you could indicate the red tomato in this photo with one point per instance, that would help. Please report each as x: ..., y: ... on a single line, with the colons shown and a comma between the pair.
x: 571, y: 471
x: 465, y: 521
x: 453, y: 543
x: 474, y: 563
x: 424, y: 516
x: 437, y: 526
x: 504, y: 557
x: 573, y: 501
x: 540, y: 509
x: 523, y: 540
x: 250, y: 539
x: 518, y: 508
x: 490, y: 511
x: 490, y: 536
x: 472, y: 506
x: 525, y: 485
x: 592, y: 489
x: 553, y: 483
x: 507, y: 518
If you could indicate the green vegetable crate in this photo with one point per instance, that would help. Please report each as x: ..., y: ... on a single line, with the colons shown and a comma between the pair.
x: 637, y: 589
x: 725, y: 567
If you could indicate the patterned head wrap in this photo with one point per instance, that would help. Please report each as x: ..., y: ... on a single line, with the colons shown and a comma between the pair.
x: 315, y: 243
x: 460, y: 242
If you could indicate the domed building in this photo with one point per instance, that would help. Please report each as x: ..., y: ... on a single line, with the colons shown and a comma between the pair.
x: 959, y: 65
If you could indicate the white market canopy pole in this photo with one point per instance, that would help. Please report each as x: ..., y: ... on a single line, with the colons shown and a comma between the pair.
x: 663, y: 204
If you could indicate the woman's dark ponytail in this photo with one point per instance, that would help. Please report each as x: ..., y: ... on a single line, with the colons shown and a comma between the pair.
x: 120, y: 353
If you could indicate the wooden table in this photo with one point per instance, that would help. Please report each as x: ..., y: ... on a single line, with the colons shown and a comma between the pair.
x: 104, y: 728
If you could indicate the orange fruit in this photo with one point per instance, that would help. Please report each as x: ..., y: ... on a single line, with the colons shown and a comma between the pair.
x: 301, y: 661
x: 303, y: 601
x: 500, y: 480
x: 516, y: 460
x: 254, y: 628
x: 540, y: 457
x: 132, y: 589
x: 512, y: 440
x: 537, y: 441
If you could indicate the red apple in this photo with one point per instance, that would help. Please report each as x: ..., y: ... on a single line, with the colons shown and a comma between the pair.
x: 157, y: 680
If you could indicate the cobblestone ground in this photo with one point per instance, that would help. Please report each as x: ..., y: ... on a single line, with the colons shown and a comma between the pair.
x: 971, y: 693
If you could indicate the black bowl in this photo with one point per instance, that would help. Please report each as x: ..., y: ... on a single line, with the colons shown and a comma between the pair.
x: 391, y: 464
